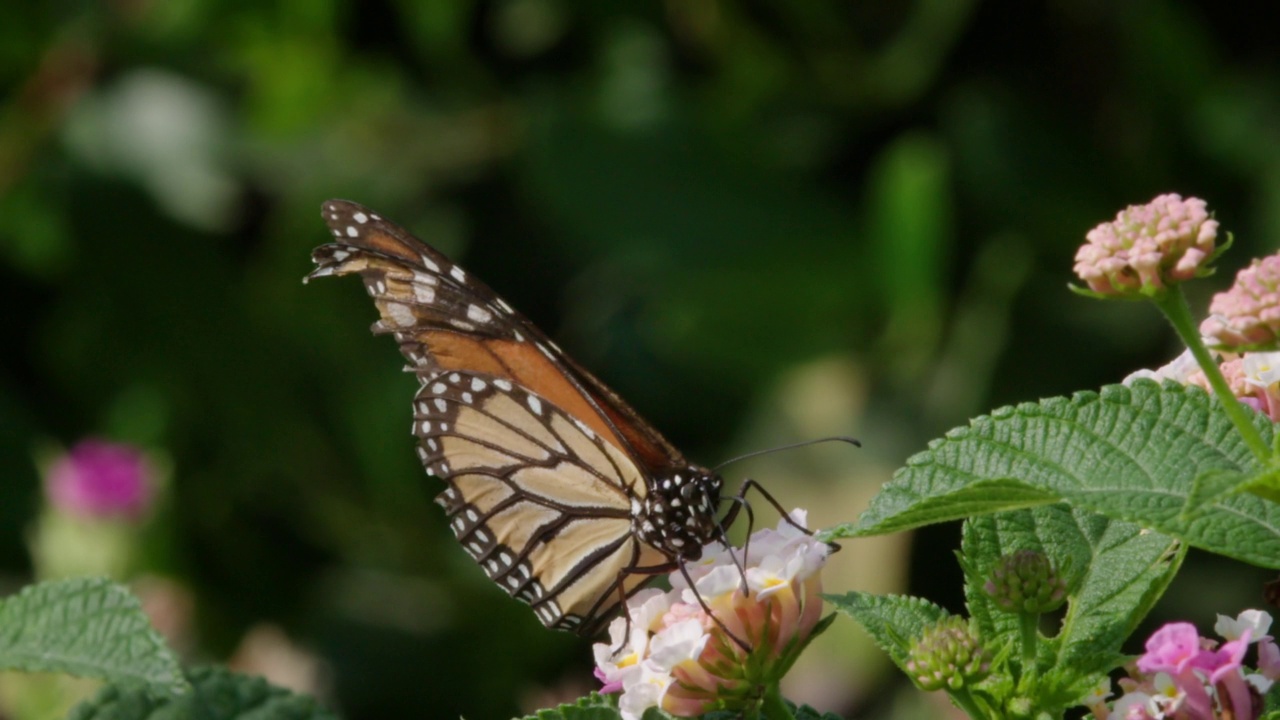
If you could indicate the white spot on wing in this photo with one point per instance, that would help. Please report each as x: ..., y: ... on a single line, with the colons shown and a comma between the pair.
x: 535, y: 405
x: 352, y: 231
x: 430, y: 264
x: 424, y: 294
x: 479, y: 314
x: 504, y: 385
x: 361, y: 218
x: 457, y: 273
x: 441, y: 405
x: 401, y: 315
x: 477, y: 384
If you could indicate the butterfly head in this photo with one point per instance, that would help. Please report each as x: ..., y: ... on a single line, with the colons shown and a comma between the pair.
x: 678, y: 515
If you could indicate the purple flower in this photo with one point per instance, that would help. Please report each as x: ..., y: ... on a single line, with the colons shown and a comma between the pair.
x: 99, y: 479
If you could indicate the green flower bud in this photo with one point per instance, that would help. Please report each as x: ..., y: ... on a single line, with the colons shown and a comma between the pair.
x: 1026, y: 582
x: 948, y: 656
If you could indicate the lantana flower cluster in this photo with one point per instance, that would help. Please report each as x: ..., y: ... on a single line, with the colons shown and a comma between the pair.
x: 1148, y: 247
x: 1183, y: 676
x: 764, y: 606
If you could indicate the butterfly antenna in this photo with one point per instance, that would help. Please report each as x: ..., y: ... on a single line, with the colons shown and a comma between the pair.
x: 837, y: 438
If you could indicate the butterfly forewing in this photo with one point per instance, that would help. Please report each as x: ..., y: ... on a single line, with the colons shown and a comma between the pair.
x: 546, y: 467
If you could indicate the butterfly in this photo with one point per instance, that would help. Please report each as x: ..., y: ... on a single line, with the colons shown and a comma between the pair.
x: 562, y: 493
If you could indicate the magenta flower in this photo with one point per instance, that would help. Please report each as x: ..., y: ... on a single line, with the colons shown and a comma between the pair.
x: 1147, y: 247
x: 1173, y: 648
x: 98, y: 479
x: 1247, y: 315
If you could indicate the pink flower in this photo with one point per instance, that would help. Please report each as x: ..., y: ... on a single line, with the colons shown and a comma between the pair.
x: 1172, y: 649
x: 1247, y: 315
x: 99, y: 479
x: 1147, y: 247
x: 1269, y: 659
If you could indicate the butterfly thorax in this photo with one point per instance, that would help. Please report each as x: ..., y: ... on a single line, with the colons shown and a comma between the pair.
x: 678, y: 515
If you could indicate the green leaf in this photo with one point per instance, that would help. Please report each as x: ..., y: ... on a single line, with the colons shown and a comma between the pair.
x: 804, y: 712
x: 1265, y: 484
x: 216, y: 694
x: 1210, y: 487
x: 89, y: 627
x: 592, y: 707
x: 1130, y: 454
x: 891, y: 620
x: 1115, y: 572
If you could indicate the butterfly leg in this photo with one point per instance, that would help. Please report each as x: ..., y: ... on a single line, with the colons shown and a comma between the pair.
x: 746, y: 646
x: 739, y: 503
x: 750, y: 484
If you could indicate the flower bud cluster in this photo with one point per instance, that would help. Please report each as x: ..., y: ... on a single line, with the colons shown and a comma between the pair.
x: 1026, y: 582
x: 1247, y: 315
x: 1148, y: 247
x: 948, y: 657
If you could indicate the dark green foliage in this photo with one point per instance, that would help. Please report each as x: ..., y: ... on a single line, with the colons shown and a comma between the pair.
x: 215, y: 694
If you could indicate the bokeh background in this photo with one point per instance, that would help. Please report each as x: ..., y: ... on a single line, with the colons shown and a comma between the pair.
x: 760, y: 222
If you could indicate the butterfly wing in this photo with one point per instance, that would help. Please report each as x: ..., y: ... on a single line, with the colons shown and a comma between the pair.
x: 544, y: 464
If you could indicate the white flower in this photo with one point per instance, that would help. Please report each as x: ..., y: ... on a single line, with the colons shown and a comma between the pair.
x: 723, y: 579
x: 1260, y: 682
x: 644, y: 690
x: 714, y: 556
x: 620, y: 658
x: 774, y: 573
x: 1179, y: 369
x: 1131, y: 707
x: 1168, y: 698
x: 1099, y: 694
x: 681, y: 642
x: 1261, y: 369
x: 1257, y: 622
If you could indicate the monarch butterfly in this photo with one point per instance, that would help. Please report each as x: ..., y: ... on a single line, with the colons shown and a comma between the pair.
x: 563, y: 494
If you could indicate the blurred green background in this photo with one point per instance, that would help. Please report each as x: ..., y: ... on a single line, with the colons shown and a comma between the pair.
x: 760, y: 222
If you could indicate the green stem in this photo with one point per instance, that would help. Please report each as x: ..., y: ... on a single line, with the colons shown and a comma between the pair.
x: 967, y: 703
x: 1029, y: 623
x: 1174, y: 306
x: 772, y: 706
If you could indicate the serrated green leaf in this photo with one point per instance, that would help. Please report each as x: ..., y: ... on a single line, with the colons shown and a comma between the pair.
x: 88, y: 627
x: 891, y: 620
x: 1130, y: 453
x: 1115, y: 572
x: 216, y: 694
x: 592, y: 706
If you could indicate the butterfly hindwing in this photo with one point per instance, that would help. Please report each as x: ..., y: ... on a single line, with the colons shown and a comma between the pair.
x: 538, y: 499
